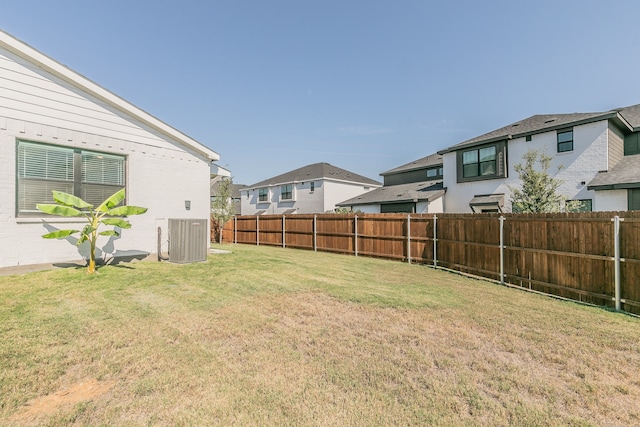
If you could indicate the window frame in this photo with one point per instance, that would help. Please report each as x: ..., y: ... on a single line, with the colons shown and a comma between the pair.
x: 564, y: 143
x: 286, y: 189
x: 434, y: 172
x: 263, y: 195
x: 79, y: 183
x: 498, y: 161
x: 632, y: 144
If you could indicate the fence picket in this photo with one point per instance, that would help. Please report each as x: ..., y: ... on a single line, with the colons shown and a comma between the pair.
x: 578, y: 256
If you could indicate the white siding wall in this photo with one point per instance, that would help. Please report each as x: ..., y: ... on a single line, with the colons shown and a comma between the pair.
x: 611, y: 200
x: 434, y: 206
x: 589, y: 156
x: 161, y: 173
x: 308, y: 202
x: 338, y: 191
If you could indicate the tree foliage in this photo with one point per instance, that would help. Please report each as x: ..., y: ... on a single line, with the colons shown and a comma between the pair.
x: 105, y: 214
x: 222, y: 205
x: 539, y: 191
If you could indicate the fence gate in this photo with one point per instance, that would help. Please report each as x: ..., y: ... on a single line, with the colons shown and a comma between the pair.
x: 188, y: 240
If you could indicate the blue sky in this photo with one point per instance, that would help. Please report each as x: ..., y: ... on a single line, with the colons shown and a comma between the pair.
x: 363, y: 85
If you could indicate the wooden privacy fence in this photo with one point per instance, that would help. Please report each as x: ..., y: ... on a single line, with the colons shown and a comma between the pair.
x: 592, y: 257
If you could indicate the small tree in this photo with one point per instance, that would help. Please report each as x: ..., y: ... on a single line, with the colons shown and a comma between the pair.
x: 222, y: 205
x: 538, y: 192
x: 105, y: 214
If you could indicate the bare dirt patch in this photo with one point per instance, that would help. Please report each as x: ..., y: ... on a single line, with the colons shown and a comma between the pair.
x: 48, y: 405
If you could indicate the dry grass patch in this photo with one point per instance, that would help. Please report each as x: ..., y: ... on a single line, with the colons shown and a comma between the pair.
x: 267, y: 336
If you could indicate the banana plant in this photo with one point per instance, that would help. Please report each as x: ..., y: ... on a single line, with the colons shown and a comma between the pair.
x: 105, y: 214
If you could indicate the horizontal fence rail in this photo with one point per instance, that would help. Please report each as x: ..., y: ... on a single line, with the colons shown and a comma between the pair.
x: 592, y: 257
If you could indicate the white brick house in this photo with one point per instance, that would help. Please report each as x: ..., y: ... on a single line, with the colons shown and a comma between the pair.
x: 59, y: 130
x: 315, y: 188
x: 584, y: 146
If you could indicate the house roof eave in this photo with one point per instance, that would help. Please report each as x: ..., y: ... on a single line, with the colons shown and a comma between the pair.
x: 52, y: 66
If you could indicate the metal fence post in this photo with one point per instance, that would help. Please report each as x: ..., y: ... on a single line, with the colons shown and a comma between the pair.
x: 435, y: 241
x: 283, y: 232
x: 616, y: 259
x: 257, y: 230
x: 502, y: 250
x: 315, y: 226
x: 355, y: 228
x: 409, y: 238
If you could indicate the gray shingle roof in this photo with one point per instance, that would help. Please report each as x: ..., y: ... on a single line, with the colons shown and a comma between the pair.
x: 429, y: 161
x: 235, y: 188
x: 413, y: 192
x: 632, y: 115
x: 626, y: 174
x: 316, y: 171
x: 531, y: 125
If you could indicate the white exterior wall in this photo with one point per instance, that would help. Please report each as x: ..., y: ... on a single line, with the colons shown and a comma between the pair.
x: 611, y: 200
x: 161, y: 172
x: 434, y: 206
x: 324, y: 197
x: 339, y: 191
x: 589, y: 156
x: 304, y: 200
x: 308, y: 201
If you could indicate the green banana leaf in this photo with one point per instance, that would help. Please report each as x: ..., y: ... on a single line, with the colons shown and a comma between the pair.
x: 109, y: 233
x: 58, y: 210
x: 118, y: 222
x: 112, y: 201
x: 126, y: 211
x: 60, y: 234
x: 70, y: 200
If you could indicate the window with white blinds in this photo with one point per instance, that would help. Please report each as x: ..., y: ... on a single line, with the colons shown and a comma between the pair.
x: 90, y: 175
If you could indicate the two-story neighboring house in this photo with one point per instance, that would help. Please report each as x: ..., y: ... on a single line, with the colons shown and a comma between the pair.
x: 415, y: 187
x: 314, y: 188
x: 594, y: 156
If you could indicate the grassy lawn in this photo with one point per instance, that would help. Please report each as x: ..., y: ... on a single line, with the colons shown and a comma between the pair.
x: 271, y: 336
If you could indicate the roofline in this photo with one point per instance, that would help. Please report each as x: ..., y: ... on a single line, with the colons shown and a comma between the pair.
x: 275, y: 184
x: 604, y: 116
x: 52, y: 66
x: 618, y: 186
x: 415, y: 168
x: 391, y: 202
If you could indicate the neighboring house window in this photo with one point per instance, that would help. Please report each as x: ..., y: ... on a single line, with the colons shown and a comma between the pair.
x: 634, y: 199
x: 565, y: 140
x: 434, y: 173
x: 398, y: 208
x: 632, y: 144
x: 90, y: 175
x: 480, y: 162
x: 263, y: 194
x: 313, y: 186
x: 584, y: 205
x: 286, y: 192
